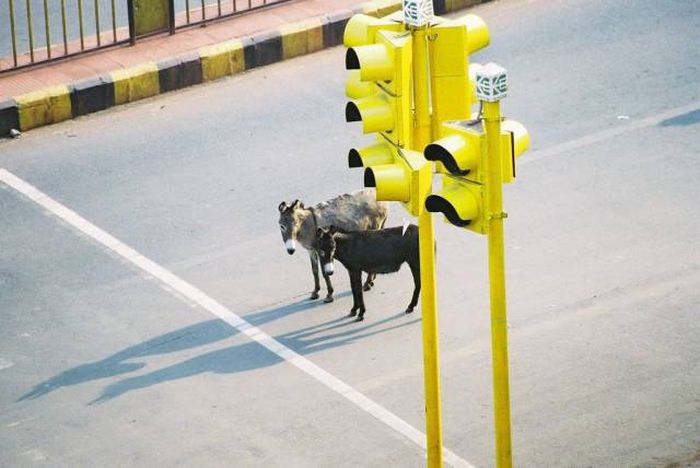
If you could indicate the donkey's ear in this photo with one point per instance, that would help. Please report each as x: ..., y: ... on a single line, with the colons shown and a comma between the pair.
x: 282, y: 207
x: 295, y: 205
x: 319, y: 233
x: 332, y: 229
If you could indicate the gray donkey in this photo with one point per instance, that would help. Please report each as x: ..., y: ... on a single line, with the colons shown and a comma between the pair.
x: 356, y: 211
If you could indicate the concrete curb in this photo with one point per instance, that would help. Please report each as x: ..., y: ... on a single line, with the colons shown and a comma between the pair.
x: 62, y: 102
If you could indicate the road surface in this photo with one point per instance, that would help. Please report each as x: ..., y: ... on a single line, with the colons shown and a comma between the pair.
x: 108, y: 358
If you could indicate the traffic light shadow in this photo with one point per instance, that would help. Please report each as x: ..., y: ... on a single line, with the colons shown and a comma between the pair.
x: 229, y: 360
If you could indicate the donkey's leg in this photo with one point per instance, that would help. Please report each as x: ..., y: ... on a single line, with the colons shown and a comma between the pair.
x: 358, y: 299
x: 356, y: 287
x: 415, y: 271
x: 329, y: 286
x: 369, y: 282
x: 314, y: 268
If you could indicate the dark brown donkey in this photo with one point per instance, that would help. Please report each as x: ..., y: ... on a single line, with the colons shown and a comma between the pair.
x: 375, y: 252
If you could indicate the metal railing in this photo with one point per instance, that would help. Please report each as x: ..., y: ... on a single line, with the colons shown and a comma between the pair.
x: 40, y: 31
x: 202, y: 11
x: 46, y: 30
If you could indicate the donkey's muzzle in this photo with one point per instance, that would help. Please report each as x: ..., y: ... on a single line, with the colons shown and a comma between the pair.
x: 291, y: 247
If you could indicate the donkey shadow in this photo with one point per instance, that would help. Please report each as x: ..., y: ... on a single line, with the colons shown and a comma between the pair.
x: 229, y: 360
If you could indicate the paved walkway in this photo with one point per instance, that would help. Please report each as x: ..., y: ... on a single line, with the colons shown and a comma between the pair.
x: 165, y: 46
x: 53, y: 92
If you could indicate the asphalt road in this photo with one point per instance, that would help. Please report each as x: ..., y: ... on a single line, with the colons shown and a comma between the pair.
x: 104, y: 364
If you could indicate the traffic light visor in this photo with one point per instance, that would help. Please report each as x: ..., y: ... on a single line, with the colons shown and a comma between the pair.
x: 520, y: 139
x: 373, y: 61
x: 477, y: 32
x: 357, y: 31
x: 459, y: 205
x: 374, y: 112
x: 377, y: 154
x: 459, y: 153
x: 355, y: 89
x: 391, y: 182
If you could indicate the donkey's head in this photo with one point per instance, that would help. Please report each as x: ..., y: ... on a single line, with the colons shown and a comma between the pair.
x: 290, y: 223
x: 325, y: 245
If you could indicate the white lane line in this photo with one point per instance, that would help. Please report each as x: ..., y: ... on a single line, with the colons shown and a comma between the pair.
x: 200, y: 298
x: 628, y: 126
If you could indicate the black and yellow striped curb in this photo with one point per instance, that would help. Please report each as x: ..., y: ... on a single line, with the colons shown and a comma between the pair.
x: 57, y: 103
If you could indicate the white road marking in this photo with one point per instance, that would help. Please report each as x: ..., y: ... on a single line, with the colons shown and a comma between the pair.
x: 21, y: 421
x: 628, y: 126
x: 200, y: 298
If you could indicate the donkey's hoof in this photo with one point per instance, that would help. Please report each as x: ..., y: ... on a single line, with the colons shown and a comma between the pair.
x: 359, y: 318
x: 367, y: 287
x: 352, y: 313
x: 409, y: 310
x: 328, y: 299
x: 314, y: 296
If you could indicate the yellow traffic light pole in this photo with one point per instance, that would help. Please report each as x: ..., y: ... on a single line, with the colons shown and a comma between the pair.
x: 426, y: 235
x: 499, y: 331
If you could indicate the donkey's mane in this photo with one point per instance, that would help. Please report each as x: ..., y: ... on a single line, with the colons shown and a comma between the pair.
x: 338, y: 201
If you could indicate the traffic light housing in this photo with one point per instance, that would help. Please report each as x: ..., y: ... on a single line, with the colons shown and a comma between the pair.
x: 380, y: 86
x: 452, y: 87
x: 362, y: 29
x: 406, y: 179
x: 462, y: 202
x: 462, y: 152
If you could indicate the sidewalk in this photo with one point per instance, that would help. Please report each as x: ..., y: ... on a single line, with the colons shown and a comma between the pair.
x: 62, y: 90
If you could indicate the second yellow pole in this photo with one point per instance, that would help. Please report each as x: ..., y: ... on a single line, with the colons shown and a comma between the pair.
x: 499, y: 329
x: 426, y: 234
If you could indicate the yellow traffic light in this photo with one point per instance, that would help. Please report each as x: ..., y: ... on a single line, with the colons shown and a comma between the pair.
x: 462, y: 154
x: 393, y: 181
x: 356, y: 88
x: 406, y: 179
x: 373, y: 155
x: 385, y: 106
x: 362, y: 29
x: 515, y: 141
x: 462, y: 202
x: 452, y: 88
x: 460, y: 150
